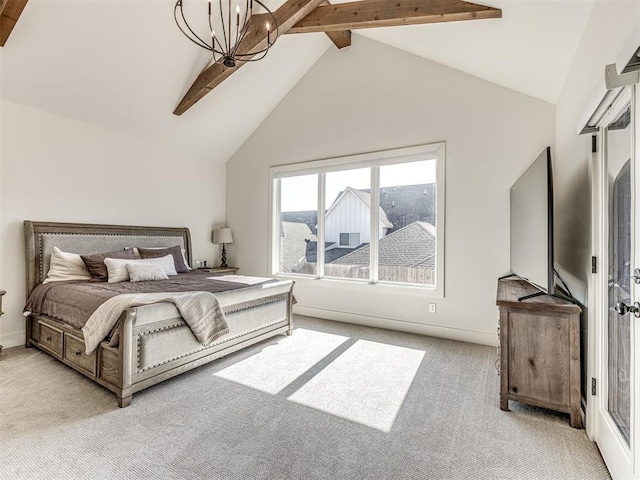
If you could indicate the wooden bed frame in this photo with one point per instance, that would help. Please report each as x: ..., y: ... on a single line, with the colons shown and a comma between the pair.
x: 155, y: 343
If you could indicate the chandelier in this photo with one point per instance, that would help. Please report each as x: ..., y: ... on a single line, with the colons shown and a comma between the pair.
x: 225, y: 30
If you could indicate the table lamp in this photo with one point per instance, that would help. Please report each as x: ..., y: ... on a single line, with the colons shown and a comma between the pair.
x: 222, y: 236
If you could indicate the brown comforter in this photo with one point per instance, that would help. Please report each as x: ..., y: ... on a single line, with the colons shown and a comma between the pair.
x: 74, y: 302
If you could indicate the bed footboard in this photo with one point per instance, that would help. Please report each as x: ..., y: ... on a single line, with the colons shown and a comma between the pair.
x: 156, y: 344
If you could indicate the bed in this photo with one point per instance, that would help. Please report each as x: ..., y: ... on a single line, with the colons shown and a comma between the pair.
x: 154, y: 342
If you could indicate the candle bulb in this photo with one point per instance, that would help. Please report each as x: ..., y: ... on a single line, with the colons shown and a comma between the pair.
x: 238, y: 15
x: 268, y: 34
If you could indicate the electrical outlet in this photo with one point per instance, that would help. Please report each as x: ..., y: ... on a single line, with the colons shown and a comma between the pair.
x: 432, y: 308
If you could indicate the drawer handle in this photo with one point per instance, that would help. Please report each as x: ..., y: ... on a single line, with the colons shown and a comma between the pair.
x: 48, y: 339
x: 78, y: 353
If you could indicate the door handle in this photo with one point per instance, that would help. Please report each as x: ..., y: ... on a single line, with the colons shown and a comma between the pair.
x: 636, y: 276
x: 622, y: 309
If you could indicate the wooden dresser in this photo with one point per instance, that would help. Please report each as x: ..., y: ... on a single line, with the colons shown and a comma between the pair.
x: 539, y: 350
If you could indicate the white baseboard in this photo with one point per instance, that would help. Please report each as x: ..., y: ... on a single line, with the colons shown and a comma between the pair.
x: 12, y: 339
x: 470, y: 336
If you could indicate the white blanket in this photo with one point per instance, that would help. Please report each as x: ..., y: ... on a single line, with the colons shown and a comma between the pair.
x: 200, y: 310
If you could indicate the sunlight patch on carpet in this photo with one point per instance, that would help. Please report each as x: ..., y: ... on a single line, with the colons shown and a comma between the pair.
x: 277, y: 365
x: 367, y: 384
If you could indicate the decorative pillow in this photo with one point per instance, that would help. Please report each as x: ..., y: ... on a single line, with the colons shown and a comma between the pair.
x: 145, y: 273
x: 117, y: 267
x: 178, y: 258
x: 95, y: 263
x: 66, y: 266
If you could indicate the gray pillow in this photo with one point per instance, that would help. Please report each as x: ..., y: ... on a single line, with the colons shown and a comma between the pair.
x: 176, y: 252
x: 97, y: 268
x: 145, y: 273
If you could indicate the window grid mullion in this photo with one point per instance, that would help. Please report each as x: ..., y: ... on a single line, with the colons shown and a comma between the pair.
x: 320, y: 226
x: 276, y: 236
x: 375, y: 224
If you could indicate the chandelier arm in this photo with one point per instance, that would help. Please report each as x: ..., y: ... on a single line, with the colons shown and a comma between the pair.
x: 245, y: 29
x: 199, y: 41
x: 275, y: 22
x: 224, y: 30
x: 235, y: 53
x: 229, y: 12
x: 263, y: 54
x: 241, y: 56
x: 237, y: 42
x: 214, y: 37
x: 245, y: 23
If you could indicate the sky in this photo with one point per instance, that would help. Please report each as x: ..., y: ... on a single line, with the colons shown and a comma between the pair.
x: 301, y: 193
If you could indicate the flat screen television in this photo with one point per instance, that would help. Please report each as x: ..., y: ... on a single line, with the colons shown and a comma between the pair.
x: 532, y: 225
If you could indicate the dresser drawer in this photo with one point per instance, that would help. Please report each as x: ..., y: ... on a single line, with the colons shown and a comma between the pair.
x: 74, y: 352
x: 50, y: 339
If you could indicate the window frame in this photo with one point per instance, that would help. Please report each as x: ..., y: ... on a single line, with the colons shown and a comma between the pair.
x: 350, y: 235
x: 373, y: 160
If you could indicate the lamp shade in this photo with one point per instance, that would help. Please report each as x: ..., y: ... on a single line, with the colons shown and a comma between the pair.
x: 222, y: 235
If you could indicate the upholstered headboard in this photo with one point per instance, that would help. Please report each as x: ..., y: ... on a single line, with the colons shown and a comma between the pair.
x: 41, y: 237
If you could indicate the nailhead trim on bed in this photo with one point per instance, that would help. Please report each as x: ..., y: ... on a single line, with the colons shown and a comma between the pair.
x: 140, y: 370
x: 253, y: 305
x: 42, y: 234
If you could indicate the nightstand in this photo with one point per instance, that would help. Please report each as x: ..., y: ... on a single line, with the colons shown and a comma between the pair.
x: 221, y: 270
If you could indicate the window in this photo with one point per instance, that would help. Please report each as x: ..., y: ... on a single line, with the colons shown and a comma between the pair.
x: 375, y: 218
x: 298, y: 219
x: 349, y: 239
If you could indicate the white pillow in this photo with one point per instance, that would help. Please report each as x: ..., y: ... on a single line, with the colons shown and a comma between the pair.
x: 66, y: 266
x: 144, y: 273
x: 117, y: 267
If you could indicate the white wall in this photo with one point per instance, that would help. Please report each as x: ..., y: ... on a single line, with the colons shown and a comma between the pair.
x: 614, y: 26
x: 57, y: 169
x: 372, y: 97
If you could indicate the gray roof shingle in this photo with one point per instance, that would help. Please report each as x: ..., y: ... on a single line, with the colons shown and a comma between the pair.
x: 293, y: 244
x: 411, y: 246
x: 310, y: 217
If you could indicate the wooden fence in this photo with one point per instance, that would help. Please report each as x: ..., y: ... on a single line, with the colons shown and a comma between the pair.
x: 419, y: 275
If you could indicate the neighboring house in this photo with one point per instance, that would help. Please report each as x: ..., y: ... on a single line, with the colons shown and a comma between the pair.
x: 348, y: 222
x: 310, y: 217
x: 348, y: 232
x: 411, y: 246
x: 402, y: 205
x: 293, y: 244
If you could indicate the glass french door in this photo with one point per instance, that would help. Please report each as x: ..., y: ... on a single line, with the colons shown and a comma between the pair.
x: 618, y: 398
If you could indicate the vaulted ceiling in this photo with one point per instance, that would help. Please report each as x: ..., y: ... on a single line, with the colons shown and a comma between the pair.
x: 123, y: 64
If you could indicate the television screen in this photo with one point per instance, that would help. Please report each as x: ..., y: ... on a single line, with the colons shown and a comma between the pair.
x: 532, y: 224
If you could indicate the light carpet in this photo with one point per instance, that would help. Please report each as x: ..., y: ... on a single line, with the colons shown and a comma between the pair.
x: 333, y: 401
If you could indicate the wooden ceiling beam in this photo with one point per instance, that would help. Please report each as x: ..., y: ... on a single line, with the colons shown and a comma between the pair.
x: 386, y: 13
x: 337, y: 21
x: 290, y: 13
x: 10, y: 11
x: 340, y: 39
